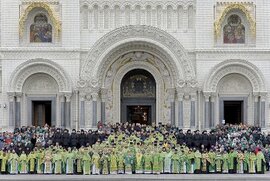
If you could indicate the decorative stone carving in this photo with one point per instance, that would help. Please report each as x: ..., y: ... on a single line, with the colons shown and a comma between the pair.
x: 186, y: 112
x: 167, y: 107
x: 40, y: 84
x: 233, y: 84
x: 245, y: 68
x: 82, y: 97
x: 68, y: 97
x: 109, y: 107
x: 97, y: 63
x: 104, y: 94
x: 150, y: 13
x: 137, y: 56
x: 30, y: 67
x: 11, y: 96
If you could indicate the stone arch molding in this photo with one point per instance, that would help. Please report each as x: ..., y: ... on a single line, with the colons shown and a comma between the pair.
x: 35, y: 66
x: 242, y: 67
x: 154, y: 37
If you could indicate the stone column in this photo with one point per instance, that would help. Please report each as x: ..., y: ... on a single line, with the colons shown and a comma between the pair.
x: 62, y: 108
x: 193, y: 111
x: 212, y: 111
x: 11, y: 99
x: 185, y: 18
x: 262, y: 105
x: 76, y: 109
x: 171, y: 93
x: 82, y: 110
x: 199, y: 108
x: 67, y: 110
x: 206, y: 111
x: 180, y: 109
x: 256, y: 110
x: 94, y: 119
x: 103, y: 104
x: 18, y: 110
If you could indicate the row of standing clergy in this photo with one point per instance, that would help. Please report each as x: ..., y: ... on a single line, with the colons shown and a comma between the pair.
x: 131, y: 160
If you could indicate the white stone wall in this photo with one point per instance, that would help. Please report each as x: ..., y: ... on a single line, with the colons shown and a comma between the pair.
x: 79, y: 34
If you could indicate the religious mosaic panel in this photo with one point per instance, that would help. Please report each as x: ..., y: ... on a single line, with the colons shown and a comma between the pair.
x: 234, y: 30
x: 138, y: 85
x: 41, y: 30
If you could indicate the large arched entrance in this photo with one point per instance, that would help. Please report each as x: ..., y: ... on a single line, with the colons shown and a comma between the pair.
x: 235, y: 89
x: 138, y: 97
x: 130, y: 48
x: 39, y: 93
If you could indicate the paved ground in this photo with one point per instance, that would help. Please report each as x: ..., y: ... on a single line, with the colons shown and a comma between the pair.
x: 209, y: 177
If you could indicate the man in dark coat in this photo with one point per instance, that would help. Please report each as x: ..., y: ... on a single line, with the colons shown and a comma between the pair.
x: 66, y: 139
x: 73, y: 139
x: 212, y: 139
x: 189, y: 138
x: 89, y: 138
x: 197, y: 139
x: 82, y: 138
x: 205, y: 139
x: 181, y: 137
x: 57, y: 137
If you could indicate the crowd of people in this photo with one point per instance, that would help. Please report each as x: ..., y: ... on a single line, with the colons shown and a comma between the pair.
x: 133, y: 148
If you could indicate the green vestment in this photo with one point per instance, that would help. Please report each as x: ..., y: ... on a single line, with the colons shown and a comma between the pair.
x: 13, y: 163
x: 86, y: 159
x: 23, y: 166
x: 175, y: 163
x: 32, y: 162
x: 252, y: 162
x: 260, y: 162
x: 197, y: 160
x: 57, y: 160
x: 69, y: 160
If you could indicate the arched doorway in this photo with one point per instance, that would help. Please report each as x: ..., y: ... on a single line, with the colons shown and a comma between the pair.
x: 41, y: 90
x: 236, y: 89
x: 138, y: 97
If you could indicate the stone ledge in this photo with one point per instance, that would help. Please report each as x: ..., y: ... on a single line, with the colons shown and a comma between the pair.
x: 208, y: 177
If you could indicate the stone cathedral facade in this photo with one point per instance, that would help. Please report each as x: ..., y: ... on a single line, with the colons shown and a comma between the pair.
x: 190, y: 63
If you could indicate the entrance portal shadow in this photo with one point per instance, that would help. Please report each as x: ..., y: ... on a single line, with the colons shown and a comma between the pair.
x: 233, y: 112
x: 138, y: 97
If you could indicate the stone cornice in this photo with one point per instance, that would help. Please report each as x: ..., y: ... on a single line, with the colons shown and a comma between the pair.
x: 38, y: 49
x: 133, y: 3
x: 232, y: 50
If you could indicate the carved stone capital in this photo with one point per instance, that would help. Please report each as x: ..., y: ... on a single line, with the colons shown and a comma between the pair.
x: 207, y: 96
x: 193, y: 96
x: 263, y: 96
x: 11, y: 96
x: 82, y: 96
x: 213, y: 98
x: 88, y: 97
x: 171, y: 94
x: 104, y: 94
x: 18, y: 96
x: 180, y: 96
x: 68, y: 97
x: 95, y: 96
x: 62, y: 97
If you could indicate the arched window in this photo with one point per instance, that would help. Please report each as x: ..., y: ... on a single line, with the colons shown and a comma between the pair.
x: 234, y: 31
x: 41, y: 30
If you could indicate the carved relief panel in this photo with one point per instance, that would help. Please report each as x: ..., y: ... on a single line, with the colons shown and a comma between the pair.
x: 164, y: 14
